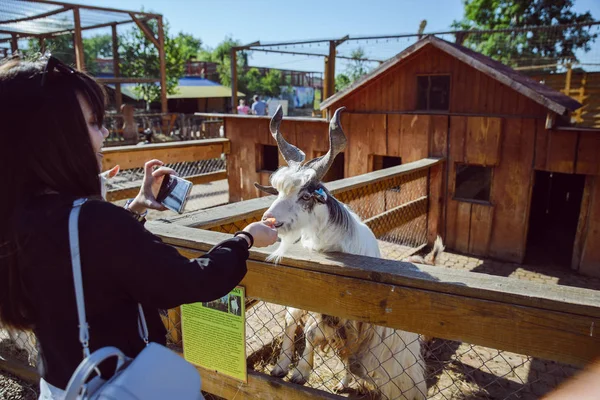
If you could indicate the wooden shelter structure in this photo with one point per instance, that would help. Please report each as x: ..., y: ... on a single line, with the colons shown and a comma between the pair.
x: 518, y: 184
x: 584, y: 86
x: 43, y: 19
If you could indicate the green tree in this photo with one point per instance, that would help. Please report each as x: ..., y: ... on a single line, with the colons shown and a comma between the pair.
x: 253, y: 81
x: 271, y: 83
x: 528, y: 47
x: 189, y: 45
x: 222, y: 56
x: 358, y: 66
x: 341, y: 82
x: 140, y: 59
x: 63, y: 48
x: 355, y: 69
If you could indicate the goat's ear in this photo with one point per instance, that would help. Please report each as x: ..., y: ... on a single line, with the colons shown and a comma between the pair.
x: 266, y: 189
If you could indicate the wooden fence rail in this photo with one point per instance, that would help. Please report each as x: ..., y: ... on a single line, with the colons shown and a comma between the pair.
x: 253, y: 209
x: 128, y: 157
x: 550, y: 322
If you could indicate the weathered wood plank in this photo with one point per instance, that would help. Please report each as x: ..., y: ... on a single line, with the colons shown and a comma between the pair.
x: 259, y: 386
x: 583, y: 222
x: 511, y: 190
x: 588, y: 160
x: 435, y: 209
x: 135, y: 156
x: 415, y: 137
x: 481, y: 228
x: 507, y: 314
x: 546, y: 334
x: 550, y: 297
x: 483, y: 140
x: 463, y: 226
x: 394, y: 135
x: 541, y: 147
x: 361, y: 148
x: 562, y: 149
x: 439, y: 136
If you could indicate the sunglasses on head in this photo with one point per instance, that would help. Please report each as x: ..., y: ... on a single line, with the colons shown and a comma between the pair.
x: 53, y: 64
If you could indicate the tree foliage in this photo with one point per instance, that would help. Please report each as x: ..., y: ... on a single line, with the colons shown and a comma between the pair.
x: 355, y: 69
x: 63, y: 48
x: 341, y: 81
x: 139, y: 58
x: 250, y: 80
x: 527, y: 47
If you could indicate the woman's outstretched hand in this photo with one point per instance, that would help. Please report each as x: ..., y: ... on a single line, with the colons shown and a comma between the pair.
x: 153, y: 178
x: 263, y: 234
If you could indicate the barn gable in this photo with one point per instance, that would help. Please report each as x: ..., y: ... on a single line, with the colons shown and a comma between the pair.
x: 473, y: 75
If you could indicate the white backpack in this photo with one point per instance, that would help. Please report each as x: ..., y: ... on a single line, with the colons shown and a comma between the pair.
x: 156, y: 373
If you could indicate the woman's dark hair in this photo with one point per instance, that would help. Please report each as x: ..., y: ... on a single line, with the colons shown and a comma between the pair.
x: 44, y: 146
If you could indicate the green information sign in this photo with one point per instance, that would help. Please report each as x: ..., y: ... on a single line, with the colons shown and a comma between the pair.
x: 214, y: 334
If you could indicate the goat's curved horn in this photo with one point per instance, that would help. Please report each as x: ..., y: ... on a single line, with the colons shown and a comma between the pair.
x: 291, y: 154
x: 337, y: 143
x: 266, y: 189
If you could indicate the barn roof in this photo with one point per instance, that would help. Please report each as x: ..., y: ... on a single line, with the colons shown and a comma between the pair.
x: 540, y: 93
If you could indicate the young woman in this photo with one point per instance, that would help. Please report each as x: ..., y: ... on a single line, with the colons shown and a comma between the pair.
x: 51, y: 135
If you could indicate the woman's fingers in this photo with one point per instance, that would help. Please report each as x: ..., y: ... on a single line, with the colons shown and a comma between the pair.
x: 162, y: 171
x: 111, y: 173
x: 149, y: 166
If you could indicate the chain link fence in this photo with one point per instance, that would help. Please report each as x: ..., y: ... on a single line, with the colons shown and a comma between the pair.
x: 133, y: 177
x: 453, y: 370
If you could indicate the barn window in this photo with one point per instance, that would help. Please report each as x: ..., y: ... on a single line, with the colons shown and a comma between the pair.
x: 382, y: 162
x: 433, y: 92
x: 473, y: 182
x: 268, y: 158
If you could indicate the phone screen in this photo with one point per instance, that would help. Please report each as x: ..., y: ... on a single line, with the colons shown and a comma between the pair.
x: 174, y: 192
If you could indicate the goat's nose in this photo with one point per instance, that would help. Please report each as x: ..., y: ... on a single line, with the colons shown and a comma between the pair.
x: 267, y: 215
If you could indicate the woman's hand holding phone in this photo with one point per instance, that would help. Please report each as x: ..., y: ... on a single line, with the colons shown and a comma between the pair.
x: 153, y: 178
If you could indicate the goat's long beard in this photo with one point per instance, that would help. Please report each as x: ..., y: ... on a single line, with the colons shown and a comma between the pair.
x: 286, y: 242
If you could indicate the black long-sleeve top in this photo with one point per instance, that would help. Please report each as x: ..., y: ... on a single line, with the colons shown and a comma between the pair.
x: 122, y: 264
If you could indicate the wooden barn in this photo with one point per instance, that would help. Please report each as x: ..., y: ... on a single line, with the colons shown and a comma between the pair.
x: 518, y: 183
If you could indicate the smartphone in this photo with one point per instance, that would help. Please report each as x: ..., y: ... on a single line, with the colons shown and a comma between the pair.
x: 174, y: 192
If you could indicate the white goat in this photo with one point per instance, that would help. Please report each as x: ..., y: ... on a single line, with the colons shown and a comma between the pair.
x: 234, y: 305
x: 305, y: 211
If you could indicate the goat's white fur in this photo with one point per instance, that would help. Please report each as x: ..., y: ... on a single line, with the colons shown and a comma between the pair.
x: 388, y: 359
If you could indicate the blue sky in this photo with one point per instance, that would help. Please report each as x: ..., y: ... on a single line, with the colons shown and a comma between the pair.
x: 269, y: 21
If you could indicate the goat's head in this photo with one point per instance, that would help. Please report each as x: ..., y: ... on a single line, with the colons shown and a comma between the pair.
x: 302, y: 199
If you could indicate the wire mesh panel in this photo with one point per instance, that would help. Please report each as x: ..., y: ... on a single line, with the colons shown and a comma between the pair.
x: 18, y: 345
x: 134, y: 176
x: 452, y: 370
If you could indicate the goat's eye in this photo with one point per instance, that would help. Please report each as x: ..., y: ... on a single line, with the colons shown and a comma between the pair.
x: 306, y: 196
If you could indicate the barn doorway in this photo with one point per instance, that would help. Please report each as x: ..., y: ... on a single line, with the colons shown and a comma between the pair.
x: 553, y: 218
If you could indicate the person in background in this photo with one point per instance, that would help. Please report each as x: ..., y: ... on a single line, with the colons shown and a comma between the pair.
x: 51, y: 151
x: 259, y: 107
x: 243, y: 108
